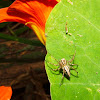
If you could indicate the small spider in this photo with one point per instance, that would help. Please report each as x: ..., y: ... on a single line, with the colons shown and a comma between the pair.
x: 67, y: 30
x: 65, y: 66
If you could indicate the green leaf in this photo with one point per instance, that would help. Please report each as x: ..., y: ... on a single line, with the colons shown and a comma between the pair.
x: 82, y: 17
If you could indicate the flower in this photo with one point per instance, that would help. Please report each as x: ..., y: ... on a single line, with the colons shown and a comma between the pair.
x: 5, y: 93
x: 33, y: 13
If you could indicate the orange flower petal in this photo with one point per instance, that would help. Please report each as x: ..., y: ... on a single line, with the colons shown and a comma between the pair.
x: 5, y: 93
x: 29, y: 11
x: 5, y: 17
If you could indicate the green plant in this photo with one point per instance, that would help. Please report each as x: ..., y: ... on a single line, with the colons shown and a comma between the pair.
x: 82, y: 17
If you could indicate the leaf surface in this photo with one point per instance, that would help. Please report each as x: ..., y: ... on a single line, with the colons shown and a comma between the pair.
x: 82, y: 17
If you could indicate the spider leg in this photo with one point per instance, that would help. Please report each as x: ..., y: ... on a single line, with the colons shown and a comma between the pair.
x: 73, y: 65
x: 63, y: 74
x: 53, y: 64
x: 62, y: 77
x: 74, y: 70
x: 56, y: 69
x: 54, y: 58
x: 72, y: 57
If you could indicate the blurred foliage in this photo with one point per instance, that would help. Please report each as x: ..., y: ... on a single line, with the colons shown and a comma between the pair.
x: 22, y: 40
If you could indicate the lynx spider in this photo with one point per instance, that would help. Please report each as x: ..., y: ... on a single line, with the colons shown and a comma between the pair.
x: 65, y: 66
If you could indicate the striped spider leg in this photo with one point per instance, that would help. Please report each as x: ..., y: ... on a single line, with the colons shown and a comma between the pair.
x: 65, y: 66
x: 70, y: 63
